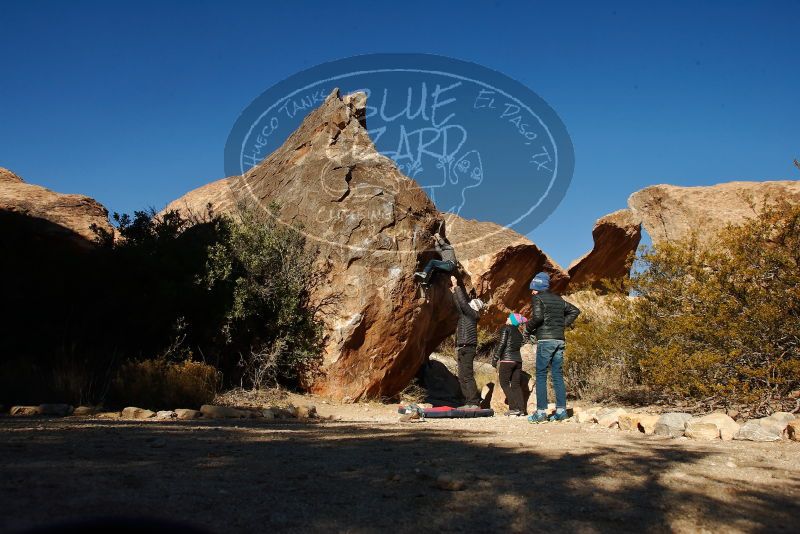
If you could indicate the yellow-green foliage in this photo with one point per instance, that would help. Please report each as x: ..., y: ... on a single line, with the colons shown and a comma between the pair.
x: 160, y: 384
x: 719, y: 323
x: 599, y: 361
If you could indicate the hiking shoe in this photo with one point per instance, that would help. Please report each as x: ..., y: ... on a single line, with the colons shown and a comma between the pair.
x: 537, y: 417
x: 420, y: 275
x: 469, y: 407
x: 513, y: 413
x: 560, y: 415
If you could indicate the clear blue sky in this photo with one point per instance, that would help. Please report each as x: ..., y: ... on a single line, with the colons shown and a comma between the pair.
x: 131, y: 102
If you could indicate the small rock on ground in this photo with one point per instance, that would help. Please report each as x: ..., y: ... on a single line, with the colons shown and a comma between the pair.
x: 185, y: 413
x: 132, y: 412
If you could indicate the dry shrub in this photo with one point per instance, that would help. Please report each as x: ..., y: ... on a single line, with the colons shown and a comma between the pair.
x: 714, y: 324
x: 413, y: 393
x: 159, y: 384
x: 599, y: 364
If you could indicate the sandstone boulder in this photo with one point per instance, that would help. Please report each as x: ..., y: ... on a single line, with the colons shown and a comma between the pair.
x: 616, y: 237
x: 587, y: 415
x: 647, y: 423
x: 629, y: 421
x: 440, y: 382
x: 372, y: 227
x: 671, y: 213
x: 499, y: 264
x: 307, y: 411
x: 761, y: 430
x: 781, y: 419
x: 166, y: 415
x: 702, y: 431
x: 51, y: 215
x: 672, y: 424
x: 24, y: 410
x: 609, y: 417
x: 185, y: 414
x: 725, y: 424
x: 132, y: 412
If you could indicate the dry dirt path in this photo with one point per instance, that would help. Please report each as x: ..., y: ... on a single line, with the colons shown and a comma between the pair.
x: 367, y: 472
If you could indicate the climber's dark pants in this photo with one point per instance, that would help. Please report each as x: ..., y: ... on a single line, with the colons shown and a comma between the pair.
x: 510, y: 375
x: 466, y: 374
x: 437, y: 265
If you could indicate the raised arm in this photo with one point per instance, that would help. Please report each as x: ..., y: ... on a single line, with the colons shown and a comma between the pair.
x: 462, y: 303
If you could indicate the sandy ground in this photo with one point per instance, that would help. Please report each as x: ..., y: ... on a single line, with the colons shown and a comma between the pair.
x: 368, y: 472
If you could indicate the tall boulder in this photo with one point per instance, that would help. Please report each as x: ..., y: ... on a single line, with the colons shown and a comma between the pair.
x: 616, y: 237
x: 671, y: 213
x: 371, y: 226
x: 50, y: 215
x: 500, y: 264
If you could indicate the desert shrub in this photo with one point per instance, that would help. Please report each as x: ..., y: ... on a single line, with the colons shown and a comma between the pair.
x: 206, y: 287
x: 718, y: 323
x: 160, y: 384
x: 271, y: 274
x: 599, y: 363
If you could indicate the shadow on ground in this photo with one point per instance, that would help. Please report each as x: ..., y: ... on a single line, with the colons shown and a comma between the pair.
x: 348, y: 477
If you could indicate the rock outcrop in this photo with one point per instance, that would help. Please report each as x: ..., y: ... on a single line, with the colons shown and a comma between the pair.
x: 50, y: 215
x: 671, y: 213
x: 500, y: 264
x: 616, y: 237
x: 371, y: 226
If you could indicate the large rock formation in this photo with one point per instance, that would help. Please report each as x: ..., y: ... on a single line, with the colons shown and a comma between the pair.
x: 500, y: 264
x: 616, y: 237
x: 671, y: 213
x: 372, y: 227
x: 50, y: 215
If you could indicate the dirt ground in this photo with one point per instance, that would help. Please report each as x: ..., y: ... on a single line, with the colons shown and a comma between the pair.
x: 367, y: 472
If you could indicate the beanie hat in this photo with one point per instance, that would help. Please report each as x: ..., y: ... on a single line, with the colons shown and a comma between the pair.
x: 540, y: 282
x: 517, y: 319
x: 477, y: 305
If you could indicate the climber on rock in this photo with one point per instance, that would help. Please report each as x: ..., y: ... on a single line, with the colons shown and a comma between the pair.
x: 447, y: 264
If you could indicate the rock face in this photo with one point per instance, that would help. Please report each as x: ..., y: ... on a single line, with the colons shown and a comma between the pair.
x: 616, y: 237
x: 500, y: 264
x: 371, y: 226
x: 51, y: 214
x: 670, y: 212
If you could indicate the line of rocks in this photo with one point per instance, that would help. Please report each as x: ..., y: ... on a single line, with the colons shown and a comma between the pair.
x: 207, y: 411
x: 717, y: 425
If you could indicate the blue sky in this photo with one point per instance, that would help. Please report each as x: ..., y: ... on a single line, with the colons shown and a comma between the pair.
x: 131, y: 102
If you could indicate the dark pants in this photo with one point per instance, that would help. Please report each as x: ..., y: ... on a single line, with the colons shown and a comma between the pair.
x: 550, y: 353
x: 466, y: 374
x: 510, y: 374
x: 437, y: 265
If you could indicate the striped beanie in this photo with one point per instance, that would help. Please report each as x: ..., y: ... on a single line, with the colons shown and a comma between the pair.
x: 517, y: 319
